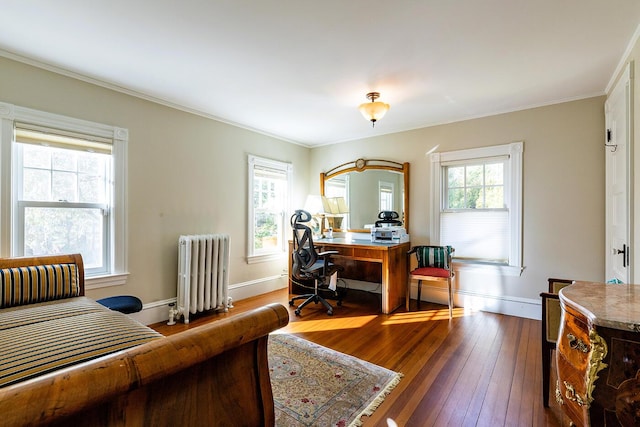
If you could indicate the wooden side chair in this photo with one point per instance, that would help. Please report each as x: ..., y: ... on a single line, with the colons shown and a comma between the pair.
x: 434, y: 264
x: 551, y: 313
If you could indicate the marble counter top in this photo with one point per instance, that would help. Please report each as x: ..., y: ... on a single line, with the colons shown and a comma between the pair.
x: 607, y: 305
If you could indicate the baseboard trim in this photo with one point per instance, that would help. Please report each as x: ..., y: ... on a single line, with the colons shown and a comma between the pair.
x: 158, y: 311
x: 512, y: 306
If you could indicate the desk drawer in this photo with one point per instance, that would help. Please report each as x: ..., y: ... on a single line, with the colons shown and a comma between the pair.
x: 366, y: 254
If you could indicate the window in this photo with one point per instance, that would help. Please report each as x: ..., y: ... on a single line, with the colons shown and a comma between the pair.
x: 67, y: 190
x: 477, y: 199
x: 385, y: 190
x: 268, y: 205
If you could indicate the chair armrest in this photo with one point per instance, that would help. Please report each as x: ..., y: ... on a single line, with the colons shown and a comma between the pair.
x: 325, y: 253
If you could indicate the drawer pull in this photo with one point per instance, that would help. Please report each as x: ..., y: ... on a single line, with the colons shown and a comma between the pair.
x: 577, y: 344
x: 571, y: 394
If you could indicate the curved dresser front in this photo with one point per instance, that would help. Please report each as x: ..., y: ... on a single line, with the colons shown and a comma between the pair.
x: 598, y: 354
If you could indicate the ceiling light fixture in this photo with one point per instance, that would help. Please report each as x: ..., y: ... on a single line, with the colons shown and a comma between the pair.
x: 373, y: 110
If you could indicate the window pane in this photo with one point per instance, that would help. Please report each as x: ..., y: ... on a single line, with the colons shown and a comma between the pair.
x: 65, y: 230
x: 494, y: 174
x: 455, y: 176
x: 266, y: 230
x: 35, y: 156
x: 36, y: 184
x: 456, y: 198
x: 64, y: 186
x: 475, y: 175
x: 91, y: 189
x: 64, y: 160
x: 494, y: 197
x: 474, y: 198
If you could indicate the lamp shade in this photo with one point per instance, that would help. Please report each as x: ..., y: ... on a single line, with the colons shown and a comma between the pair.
x: 338, y: 205
x: 373, y: 111
x: 316, y: 204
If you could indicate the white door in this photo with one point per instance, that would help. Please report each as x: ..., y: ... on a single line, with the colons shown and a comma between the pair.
x: 618, y: 215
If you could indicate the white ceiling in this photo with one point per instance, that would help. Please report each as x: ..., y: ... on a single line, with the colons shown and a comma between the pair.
x: 298, y: 69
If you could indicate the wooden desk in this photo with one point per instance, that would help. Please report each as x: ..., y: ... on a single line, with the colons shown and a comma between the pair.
x: 598, y: 354
x: 385, y: 263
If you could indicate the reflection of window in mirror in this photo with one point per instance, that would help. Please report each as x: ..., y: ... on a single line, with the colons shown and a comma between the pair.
x: 339, y: 187
x: 385, y: 190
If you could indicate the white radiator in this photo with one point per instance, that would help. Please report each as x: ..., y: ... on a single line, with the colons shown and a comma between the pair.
x: 203, y: 274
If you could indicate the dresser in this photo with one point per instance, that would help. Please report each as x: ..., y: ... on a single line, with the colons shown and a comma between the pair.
x: 598, y: 354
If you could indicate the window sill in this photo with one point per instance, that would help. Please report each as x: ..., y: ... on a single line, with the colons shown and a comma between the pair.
x: 254, y: 259
x: 95, y: 282
x: 488, y: 268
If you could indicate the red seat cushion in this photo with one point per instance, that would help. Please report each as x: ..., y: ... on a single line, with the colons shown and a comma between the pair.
x: 430, y: 271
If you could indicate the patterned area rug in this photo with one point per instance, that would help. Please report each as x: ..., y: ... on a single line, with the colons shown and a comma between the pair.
x: 316, y: 386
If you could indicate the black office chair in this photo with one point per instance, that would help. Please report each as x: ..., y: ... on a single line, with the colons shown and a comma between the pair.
x: 308, y: 264
x: 386, y: 218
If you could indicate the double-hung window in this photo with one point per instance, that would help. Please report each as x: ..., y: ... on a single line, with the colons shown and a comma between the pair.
x: 67, y: 191
x: 269, y: 182
x: 477, y: 199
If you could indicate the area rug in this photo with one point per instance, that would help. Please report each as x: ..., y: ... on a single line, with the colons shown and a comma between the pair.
x: 316, y: 386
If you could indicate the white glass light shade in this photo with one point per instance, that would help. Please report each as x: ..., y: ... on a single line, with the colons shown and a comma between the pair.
x: 373, y: 111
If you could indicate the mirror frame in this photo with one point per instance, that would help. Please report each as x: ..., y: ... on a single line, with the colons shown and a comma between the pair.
x: 361, y: 165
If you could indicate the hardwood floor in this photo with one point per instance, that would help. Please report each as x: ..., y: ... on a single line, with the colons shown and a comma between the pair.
x: 479, y: 369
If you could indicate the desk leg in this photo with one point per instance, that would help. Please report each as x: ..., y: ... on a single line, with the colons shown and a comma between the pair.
x: 394, y: 278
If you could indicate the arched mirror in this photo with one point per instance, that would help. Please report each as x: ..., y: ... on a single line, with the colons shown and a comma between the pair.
x: 367, y: 187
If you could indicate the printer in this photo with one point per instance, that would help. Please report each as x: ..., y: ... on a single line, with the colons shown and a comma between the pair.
x: 389, y: 234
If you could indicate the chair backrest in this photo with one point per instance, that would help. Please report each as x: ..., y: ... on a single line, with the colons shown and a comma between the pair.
x: 433, y: 256
x: 388, y: 218
x: 556, y: 284
x: 551, y: 308
x: 304, y: 254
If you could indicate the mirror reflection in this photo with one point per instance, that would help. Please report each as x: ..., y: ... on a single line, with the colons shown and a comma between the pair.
x: 367, y: 188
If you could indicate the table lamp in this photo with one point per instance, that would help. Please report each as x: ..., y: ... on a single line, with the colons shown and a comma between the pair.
x: 337, y: 208
x: 317, y: 206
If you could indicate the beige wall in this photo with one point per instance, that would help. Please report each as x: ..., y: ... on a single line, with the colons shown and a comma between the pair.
x: 186, y: 174
x: 563, y: 212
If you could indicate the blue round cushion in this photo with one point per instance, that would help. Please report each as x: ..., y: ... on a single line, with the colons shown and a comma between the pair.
x: 122, y: 303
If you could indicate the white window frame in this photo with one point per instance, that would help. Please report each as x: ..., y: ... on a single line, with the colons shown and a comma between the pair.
x: 286, y: 168
x: 513, y: 200
x: 117, y: 270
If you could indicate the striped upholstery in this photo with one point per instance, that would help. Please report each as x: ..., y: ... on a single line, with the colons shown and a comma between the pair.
x: 38, y: 283
x: 433, y: 256
x: 40, y: 338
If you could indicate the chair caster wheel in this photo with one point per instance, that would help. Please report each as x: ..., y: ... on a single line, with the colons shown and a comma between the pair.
x: 330, y: 312
x: 339, y: 303
x: 291, y: 304
x: 297, y: 312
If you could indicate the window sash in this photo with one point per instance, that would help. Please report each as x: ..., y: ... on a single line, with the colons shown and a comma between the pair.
x: 92, y: 264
